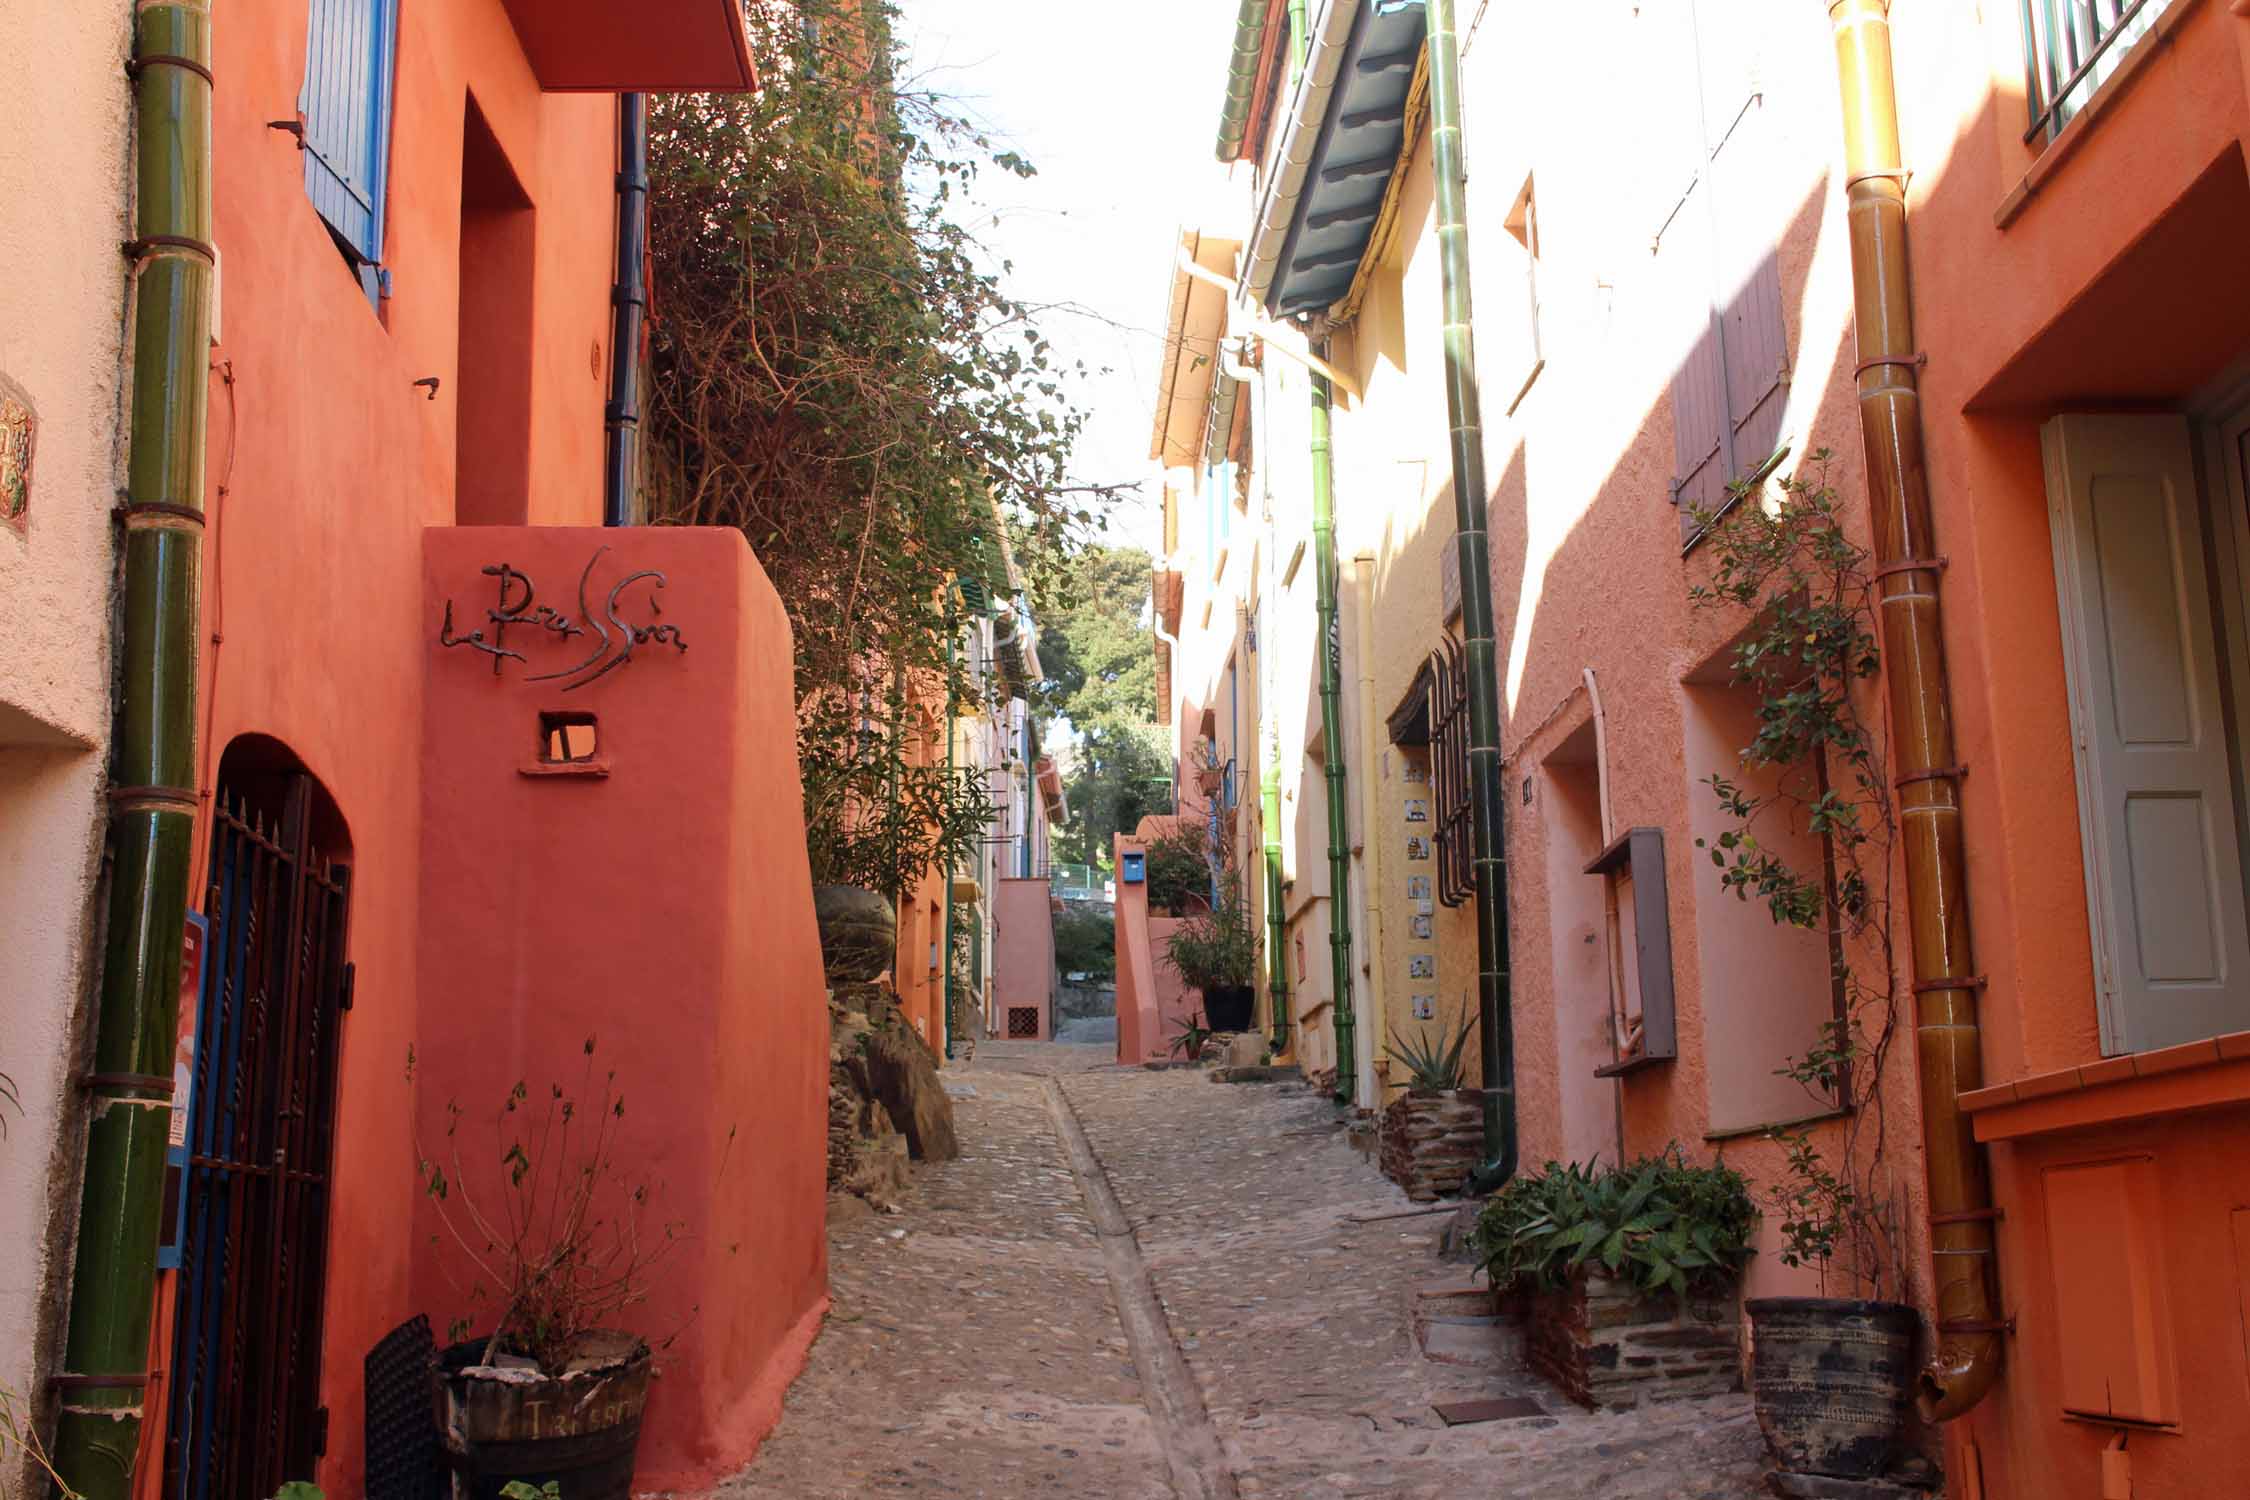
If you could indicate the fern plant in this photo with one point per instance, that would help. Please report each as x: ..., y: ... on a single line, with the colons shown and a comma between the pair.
x: 1660, y: 1223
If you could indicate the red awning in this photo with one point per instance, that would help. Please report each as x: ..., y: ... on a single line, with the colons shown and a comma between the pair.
x: 652, y: 46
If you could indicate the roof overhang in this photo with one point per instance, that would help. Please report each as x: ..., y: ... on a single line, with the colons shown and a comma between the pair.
x: 1197, y: 320
x: 1051, y: 790
x: 1347, y: 130
x: 652, y: 46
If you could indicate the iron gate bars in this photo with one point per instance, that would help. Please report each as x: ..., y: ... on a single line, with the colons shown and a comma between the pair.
x: 245, y: 1398
x: 1450, y: 809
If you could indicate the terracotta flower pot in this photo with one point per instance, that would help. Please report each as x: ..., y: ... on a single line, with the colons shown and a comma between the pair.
x: 1831, y: 1379
x: 579, y: 1429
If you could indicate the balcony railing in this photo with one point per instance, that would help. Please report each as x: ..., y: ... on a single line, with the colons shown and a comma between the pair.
x: 2070, y: 47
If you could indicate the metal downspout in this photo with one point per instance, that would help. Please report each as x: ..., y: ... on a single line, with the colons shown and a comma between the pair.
x: 629, y: 300
x: 1269, y: 779
x: 1242, y: 77
x: 1947, y: 1039
x: 1370, y: 815
x: 1332, y: 744
x: 1496, y: 1024
x: 945, y: 954
x: 152, y: 781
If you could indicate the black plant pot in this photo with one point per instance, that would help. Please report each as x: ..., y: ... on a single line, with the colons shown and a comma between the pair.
x: 580, y: 1429
x: 1230, y: 1007
x: 1831, y: 1380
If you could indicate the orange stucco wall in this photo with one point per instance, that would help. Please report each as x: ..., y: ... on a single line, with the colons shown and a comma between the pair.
x: 2105, y: 277
x: 325, y: 465
x: 663, y: 907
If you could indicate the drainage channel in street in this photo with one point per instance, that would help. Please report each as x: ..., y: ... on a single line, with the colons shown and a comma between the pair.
x: 1192, y: 1451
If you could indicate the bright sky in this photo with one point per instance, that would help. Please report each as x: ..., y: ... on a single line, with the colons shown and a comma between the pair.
x: 1117, y: 104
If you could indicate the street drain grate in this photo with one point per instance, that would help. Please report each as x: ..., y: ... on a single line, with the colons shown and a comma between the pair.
x: 1462, y: 1413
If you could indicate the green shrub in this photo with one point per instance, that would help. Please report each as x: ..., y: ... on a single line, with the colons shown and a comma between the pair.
x: 1179, y: 870
x: 1660, y: 1223
x: 1217, y: 949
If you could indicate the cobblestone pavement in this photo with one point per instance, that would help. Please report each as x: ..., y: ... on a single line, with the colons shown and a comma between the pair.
x: 976, y: 1346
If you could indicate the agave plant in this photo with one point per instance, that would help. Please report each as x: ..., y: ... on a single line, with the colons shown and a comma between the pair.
x: 1191, y: 1036
x: 1433, y: 1066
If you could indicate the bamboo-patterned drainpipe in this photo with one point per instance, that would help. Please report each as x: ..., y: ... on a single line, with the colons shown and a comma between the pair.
x: 1495, y: 1022
x: 153, y: 801
x: 1341, y: 1017
x: 1967, y: 1361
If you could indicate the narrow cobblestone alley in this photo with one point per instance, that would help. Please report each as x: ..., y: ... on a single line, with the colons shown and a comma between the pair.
x: 976, y: 1345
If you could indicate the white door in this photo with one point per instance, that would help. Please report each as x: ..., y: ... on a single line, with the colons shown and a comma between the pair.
x: 2155, y: 781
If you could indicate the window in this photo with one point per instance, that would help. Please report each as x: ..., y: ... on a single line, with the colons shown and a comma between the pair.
x: 2071, y: 50
x: 350, y: 56
x: 1731, y: 386
x: 567, y: 739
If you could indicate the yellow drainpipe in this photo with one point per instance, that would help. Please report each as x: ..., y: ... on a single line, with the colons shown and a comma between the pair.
x: 1372, y: 832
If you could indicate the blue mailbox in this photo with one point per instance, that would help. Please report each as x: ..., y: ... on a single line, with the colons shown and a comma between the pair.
x: 1134, y: 868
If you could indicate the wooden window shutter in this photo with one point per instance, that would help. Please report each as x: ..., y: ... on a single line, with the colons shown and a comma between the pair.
x: 350, y: 57
x: 2155, y: 779
x: 1700, y: 459
x: 1729, y: 394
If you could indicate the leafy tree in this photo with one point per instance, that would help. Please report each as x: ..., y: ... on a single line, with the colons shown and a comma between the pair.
x: 836, y: 369
x: 1101, y: 678
x: 1086, y: 942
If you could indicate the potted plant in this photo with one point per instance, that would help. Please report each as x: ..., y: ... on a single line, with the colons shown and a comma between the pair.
x: 1179, y: 872
x: 1831, y: 1376
x: 559, y: 1248
x: 1433, y: 1134
x: 1631, y: 1275
x: 1210, y: 771
x: 1216, y: 952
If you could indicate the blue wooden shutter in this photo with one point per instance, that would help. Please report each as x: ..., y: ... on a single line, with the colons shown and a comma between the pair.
x: 349, y: 61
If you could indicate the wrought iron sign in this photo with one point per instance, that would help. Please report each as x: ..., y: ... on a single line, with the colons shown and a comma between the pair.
x: 612, y: 635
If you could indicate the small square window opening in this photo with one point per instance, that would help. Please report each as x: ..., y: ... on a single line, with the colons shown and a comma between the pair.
x: 567, y: 738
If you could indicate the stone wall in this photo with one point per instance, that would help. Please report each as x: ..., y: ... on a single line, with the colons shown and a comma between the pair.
x: 1608, y: 1345
x: 1431, y: 1142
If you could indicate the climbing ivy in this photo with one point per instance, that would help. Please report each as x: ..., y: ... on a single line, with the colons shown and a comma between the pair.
x: 837, y: 369
x: 1789, y: 570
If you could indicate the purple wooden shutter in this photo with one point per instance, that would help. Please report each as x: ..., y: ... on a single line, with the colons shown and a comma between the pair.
x: 1699, y: 430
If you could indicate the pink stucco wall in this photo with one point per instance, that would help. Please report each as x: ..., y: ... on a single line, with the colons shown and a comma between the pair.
x: 1023, y: 951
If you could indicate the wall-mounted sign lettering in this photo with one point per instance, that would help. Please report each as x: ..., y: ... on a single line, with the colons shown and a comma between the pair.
x: 597, y: 641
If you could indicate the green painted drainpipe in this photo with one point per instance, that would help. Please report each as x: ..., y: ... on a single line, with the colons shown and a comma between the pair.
x: 1332, y: 740
x: 1242, y: 77
x: 1496, y: 1041
x: 1277, y: 921
x: 152, y: 792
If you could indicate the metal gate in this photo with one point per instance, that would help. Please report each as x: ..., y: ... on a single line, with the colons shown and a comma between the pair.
x: 245, y: 1385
